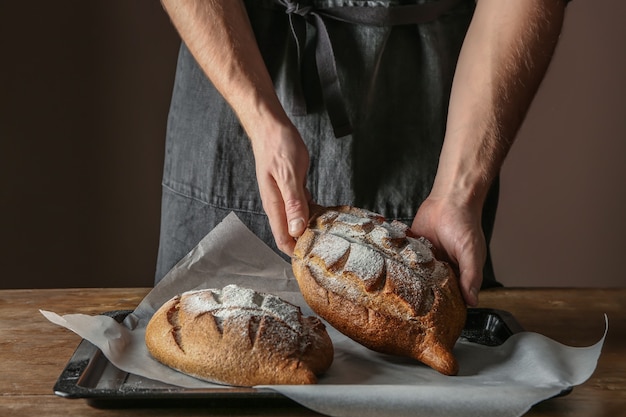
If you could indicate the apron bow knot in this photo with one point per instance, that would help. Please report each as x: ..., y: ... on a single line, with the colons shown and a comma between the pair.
x: 324, y: 54
x: 294, y: 7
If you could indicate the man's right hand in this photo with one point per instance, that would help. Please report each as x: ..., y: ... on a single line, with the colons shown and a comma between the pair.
x: 282, y: 162
x: 219, y: 35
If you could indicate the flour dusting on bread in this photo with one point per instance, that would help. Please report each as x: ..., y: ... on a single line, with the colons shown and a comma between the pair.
x: 238, y: 336
x: 380, y: 284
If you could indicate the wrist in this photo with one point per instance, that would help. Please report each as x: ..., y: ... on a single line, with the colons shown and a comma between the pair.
x: 270, y: 131
x: 262, y: 117
x: 462, y: 182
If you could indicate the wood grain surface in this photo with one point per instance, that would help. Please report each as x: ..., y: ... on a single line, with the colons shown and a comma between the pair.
x: 33, y: 352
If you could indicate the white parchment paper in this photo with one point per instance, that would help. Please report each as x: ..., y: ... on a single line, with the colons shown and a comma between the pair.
x: 498, y: 381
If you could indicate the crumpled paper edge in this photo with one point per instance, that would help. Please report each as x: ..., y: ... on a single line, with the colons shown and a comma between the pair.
x: 310, y: 396
x: 336, y: 400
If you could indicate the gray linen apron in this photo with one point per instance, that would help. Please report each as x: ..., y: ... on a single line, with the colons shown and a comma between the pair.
x: 394, y: 82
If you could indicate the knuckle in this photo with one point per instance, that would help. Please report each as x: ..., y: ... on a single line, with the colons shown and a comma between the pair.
x: 294, y: 205
x: 285, y: 244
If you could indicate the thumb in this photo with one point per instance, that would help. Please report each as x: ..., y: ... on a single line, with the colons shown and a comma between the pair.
x: 296, y: 211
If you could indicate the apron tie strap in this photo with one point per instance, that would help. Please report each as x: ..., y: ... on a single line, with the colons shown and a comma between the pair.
x: 302, y: 12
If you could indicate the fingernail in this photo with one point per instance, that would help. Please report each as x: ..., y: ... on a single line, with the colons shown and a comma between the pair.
x: 296, y: 226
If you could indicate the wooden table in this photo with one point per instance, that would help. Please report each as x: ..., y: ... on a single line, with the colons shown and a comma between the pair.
x: 33, y: 352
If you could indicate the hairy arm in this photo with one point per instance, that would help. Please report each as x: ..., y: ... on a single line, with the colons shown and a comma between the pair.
x: 219, y: 35
x: 504, y: 57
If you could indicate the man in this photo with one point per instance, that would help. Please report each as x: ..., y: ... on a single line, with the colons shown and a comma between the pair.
x: 407, y: 110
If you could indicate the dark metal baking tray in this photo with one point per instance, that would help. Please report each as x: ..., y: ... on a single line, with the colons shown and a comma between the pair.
x: 89, y: 375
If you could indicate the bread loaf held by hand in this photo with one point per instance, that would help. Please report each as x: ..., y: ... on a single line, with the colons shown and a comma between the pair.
x: 380, y: 285
x: 237, y: 336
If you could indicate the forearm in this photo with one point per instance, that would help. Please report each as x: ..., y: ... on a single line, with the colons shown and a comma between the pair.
x: 504, y: 57
x: 219, y: 35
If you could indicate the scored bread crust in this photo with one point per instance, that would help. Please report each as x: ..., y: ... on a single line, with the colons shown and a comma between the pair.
x: 380, y: 285
x: 237, y: 336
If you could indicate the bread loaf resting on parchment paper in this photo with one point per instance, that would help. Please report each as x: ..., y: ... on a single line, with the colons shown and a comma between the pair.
x: 236, y: 336
x: 380, y: 285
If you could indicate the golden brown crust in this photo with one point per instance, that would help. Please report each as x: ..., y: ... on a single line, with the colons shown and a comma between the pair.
x: 236, y: 336
x: 380, y: 285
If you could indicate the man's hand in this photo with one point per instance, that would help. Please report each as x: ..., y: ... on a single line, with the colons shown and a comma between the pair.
x: 219, y: 35
x: 504, y: 57
x: 282, y: 161
x: 454, y: 228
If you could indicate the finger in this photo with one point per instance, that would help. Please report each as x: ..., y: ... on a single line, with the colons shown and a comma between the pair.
x: 297, y: 213
x: 296, y: 208
x: 471, y: 275
x: 274, y: 207
x: 470, y: 286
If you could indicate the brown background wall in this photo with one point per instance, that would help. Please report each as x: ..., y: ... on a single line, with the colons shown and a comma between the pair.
x: 84, y: 92
x: 562, y: 219
x: 84, y: 100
